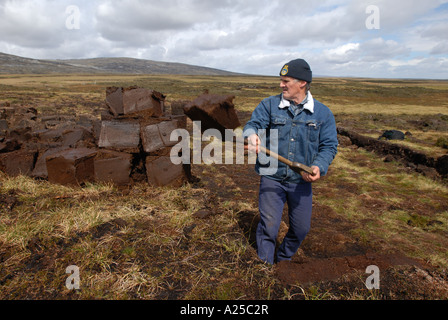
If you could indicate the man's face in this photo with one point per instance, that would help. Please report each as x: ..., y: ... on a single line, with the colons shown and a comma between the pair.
x: 292, y: 88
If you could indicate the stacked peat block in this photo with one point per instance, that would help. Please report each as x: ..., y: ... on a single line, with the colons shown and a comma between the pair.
x: 16, y: 155
x: 131, y: 143
x: 135, y: 138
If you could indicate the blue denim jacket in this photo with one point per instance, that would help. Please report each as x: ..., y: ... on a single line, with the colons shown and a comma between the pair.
x: 307, y: 136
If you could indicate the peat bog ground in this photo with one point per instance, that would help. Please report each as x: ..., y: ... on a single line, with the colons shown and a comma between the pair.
x: 197, y: 241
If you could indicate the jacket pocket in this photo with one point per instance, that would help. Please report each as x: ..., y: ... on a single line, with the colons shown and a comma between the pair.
x: 278, y: 121
x: 313, y: 130
x: 278, y: 124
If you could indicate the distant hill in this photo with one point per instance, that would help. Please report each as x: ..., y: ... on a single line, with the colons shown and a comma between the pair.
x: 19, y: 65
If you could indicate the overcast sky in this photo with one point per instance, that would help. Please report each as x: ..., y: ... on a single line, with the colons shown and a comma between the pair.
x: 366, y: 38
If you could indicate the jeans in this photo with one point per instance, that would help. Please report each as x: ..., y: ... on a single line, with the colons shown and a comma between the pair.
x: 272, y: 198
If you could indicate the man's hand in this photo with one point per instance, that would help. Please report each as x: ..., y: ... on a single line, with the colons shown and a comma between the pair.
x: 253, y: 143
x: 310, y: 178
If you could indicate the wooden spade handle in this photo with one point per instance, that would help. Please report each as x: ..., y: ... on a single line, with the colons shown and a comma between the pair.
x: 286, y: 161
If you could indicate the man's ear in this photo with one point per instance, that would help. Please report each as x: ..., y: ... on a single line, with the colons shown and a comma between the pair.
x: 302, y: 84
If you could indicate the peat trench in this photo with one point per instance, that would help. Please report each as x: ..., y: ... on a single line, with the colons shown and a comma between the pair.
x: 433, y: 168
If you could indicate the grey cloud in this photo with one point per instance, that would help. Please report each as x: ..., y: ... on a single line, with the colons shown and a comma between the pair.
x: 327, y: 24
x: 441, y: 48
x: 379, y: 49
x: 254, y: 36
x: 437, y: 32
x: 158, y: 15
x: 138, y: 15
x: 217, y: 40
x: 431, y: 67
x: 143, y: 21
x: 31, y: 25
x: 40, y: 26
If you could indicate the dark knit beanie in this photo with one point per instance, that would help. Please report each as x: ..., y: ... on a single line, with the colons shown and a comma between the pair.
x: 298, y: 69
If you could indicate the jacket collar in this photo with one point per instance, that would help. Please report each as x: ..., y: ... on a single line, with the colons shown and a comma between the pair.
x: 309, y: 103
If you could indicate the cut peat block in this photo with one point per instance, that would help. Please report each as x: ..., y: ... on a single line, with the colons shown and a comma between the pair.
x: 160, y: 170
x: 214, y: 112
x: 71, y: 166
x: 112, y: 166
x: 120, y: 136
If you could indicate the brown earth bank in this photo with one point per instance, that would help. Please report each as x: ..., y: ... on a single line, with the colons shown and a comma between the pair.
x: 435, y: 168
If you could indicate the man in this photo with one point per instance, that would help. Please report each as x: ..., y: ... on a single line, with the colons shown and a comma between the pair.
x: 303, y: 130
